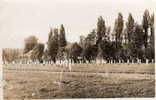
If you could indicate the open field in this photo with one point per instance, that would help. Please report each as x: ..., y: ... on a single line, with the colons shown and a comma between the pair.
x: 83, y: 81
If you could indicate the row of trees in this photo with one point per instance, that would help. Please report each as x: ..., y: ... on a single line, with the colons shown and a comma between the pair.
x: 125, y: 42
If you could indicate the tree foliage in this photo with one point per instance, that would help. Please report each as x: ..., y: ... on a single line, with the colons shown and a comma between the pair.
x: 30, y: 43
x: 130, y: 27
x: 137, y: 45
x: 75, y: 52
x: 53, y: 45
x: 145, y: 24
x: 62, y: 37
x: 129, y: 43
x: 101, y: 28
x: 38, y: 51
x: 118, y: 28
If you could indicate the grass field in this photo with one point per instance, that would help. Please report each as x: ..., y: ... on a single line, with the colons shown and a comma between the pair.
x: 83, y: 81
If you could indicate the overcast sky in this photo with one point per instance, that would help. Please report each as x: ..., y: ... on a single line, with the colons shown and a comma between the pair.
x: 21, y: 18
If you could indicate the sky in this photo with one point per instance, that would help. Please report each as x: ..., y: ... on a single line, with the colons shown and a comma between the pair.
x: 22, y: 18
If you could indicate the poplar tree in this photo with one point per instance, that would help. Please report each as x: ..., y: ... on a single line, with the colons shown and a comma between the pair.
x: 118, y: 28
x: 101, y: 28
x: 129, y: 27
x: 145, y: 24
x: 62, y: 37
x: 53, y: 45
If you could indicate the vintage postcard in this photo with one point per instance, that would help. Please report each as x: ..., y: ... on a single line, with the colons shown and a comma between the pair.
x: 68, y: 49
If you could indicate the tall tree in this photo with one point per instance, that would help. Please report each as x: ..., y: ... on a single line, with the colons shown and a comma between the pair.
x: 145, y: 24
x: 101, y: 28
x: 129, y: 27
x: 62, y: 37
x: 53, y: 46
x: 137, y: 45
x: 150, y: 50
x: 152, y: 29
x: 101, y: 36
x: 118, y: 28
x: 50, y: 34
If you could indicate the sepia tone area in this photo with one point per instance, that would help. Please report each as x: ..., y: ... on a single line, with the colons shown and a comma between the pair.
x: 109, y: 62
x: 84, y: 81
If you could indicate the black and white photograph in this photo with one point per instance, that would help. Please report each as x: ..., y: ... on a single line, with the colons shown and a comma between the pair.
x: 76, y: 49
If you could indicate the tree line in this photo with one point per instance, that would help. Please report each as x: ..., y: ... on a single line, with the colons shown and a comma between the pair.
x: 123, y: 43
